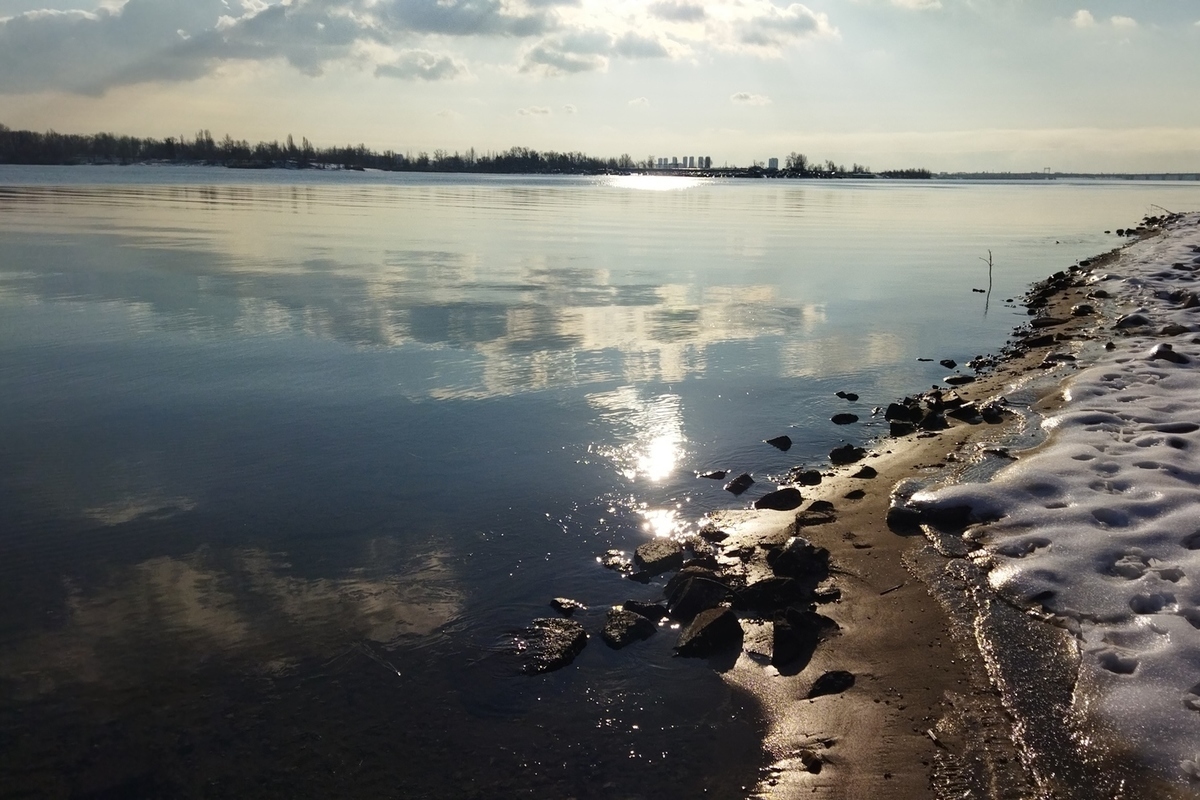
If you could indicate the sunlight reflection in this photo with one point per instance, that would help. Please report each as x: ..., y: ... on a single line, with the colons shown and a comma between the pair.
x: 648, y: 432
x: 663, y: 522
x: 654, y: 183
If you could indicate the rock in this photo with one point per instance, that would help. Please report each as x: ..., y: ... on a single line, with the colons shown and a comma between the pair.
x: 958, y: 380
x: 714, y: 535
x: 1099, y: 294
x: 795, y: 635
x: 811, y: 761
x: 616, y: 559
x: 771, y: 594
x: 846, y: 454
x: 693, y: 590
x: 819, y: 512
x: 799, y: 558
x: 782, y: 500
x: 1045, y: 340
x: 1082, y: 310
x: 780, y: 443
x: 850, y: 396
x: 1046, y: 322
x: 622, y: 627
x: 549, y: 644
x: 834, y: 682
x: 739, y: 484
x: 567, y: 606
x: 1173, y: 329
x: 1132, y: 321
x: 899, y: 428
x: 932, y: 421
x: 948, y: 363
x: 658, y: 556
x: 855, y: 494
x: 843, y: 419
x: 712, y: 631
x: 866, y: 472
x: 803, y: 477
x: 1165, y: 352
x: 651, y: 611
x: 716, y: 475
x: 897, y: 411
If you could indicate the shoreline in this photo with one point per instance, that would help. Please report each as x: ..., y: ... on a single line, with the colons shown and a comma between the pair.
x: 925, y: 717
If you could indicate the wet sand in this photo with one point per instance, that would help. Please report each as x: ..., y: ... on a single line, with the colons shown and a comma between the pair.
x: 923, y: 718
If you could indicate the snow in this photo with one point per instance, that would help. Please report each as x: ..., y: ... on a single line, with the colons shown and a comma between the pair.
x: 1100, y: 525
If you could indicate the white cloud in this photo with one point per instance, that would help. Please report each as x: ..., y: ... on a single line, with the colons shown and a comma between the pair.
x: 748, y: 99
x: 1083, y: 19
x: 422, y: 64
x: 918, y: 5
x: 775, y: 28
x: 678, y: 11
x: 534, y: 111
x: 1123, y: 22
x: 640, y: 102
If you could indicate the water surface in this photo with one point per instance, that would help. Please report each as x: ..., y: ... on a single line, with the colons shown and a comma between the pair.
x: 287, y: 455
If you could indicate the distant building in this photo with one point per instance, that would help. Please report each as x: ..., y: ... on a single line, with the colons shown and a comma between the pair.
x: 772, y: 163
x: 691, y: 162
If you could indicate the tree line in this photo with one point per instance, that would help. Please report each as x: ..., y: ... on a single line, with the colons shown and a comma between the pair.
x: 32, y: 147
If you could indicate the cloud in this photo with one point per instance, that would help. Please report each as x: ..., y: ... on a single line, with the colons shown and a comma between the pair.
x: 422, y: 64
x: 534, y: 111
x: 1123, y: 22
x: 677, y: 11
x: 640, y: 102
x: 918, y: 5
x: 776, y: 28
x: 181, y: 40
x: 748, y: 99
x: 1083, y: 19
x: 589, y: 50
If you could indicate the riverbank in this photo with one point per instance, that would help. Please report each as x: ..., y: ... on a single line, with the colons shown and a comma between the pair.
x: 929, y: 714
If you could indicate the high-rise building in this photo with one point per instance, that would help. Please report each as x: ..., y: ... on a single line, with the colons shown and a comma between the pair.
x: 772, y: 163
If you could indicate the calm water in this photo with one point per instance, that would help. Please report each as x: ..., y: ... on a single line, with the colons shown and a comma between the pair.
x: 285, y: 455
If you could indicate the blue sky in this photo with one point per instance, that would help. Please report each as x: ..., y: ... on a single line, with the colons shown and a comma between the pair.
x: 948, y: 84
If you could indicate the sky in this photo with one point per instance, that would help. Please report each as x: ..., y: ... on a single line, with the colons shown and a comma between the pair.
x: 999, y: 85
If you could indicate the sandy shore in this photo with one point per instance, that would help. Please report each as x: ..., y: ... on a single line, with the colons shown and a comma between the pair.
x: 923, y: 718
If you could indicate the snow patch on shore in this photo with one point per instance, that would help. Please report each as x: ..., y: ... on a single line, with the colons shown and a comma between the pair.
x: 1101, y: 525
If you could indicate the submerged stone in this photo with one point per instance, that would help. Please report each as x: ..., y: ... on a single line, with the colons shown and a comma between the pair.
x: 623, y: 627
x: 548, y: 644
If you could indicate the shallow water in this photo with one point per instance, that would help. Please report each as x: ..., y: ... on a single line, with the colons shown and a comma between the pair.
x: 288, y: 455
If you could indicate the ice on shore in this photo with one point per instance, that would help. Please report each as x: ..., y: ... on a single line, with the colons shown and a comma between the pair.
x: 1101, y: 525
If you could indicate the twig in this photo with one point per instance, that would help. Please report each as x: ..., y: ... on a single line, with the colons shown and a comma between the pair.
x: 892, y: 589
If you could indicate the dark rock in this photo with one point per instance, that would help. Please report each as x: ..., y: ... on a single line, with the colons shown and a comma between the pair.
x: 1099, y: 294
x: 855, y: 494
x: 549, y: 644
x: 1173, y: 329
x: 958, y: 380
x: 1109, y: 346
x: 820, y: 512
x: 834, y: 682
x: 1191, y: 301
x: 713, y: 535
x: 795, y: 635
x: 716, y: 475
x: 803, y: 477
x: 712, y: 631
x: 866, y: 472
x: 850, y: 396
x: 897, y: 411
x: 844, y: 419
x: 902, y: 519
x: 1046, y: 322
x: 899, y: 428
x: 1132, y: 321
x: 739, y: 484
x: 658, y: 556
x: 651, y: 611
x: 1082, y: 310
x: 782, y: 500
x: 780, y: 442
x: 967, y: 412
x: 846, y: 454
x: 1165, y: 352
x: 770, y: 594
x: 932, y: 421
x: 1045, y: 340
x: 693, y: 590
x: 948, y: 363
x: 567, y: 606
x: 616, y: 559
x: 799, y: 558
x: 641, y: 576
x: 811, y: 761
x: 622, y: 627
